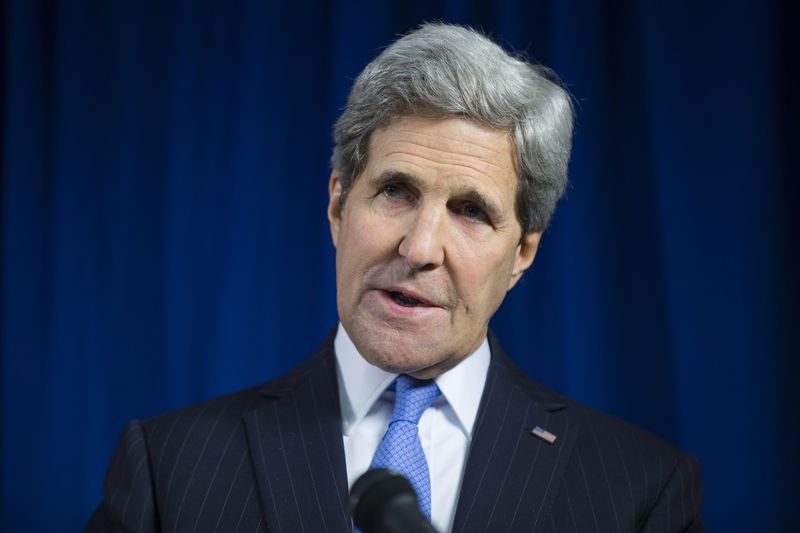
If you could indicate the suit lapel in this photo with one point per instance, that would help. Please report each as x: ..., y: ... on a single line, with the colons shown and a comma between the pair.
x: 295, y: 440
x: 512, y: 476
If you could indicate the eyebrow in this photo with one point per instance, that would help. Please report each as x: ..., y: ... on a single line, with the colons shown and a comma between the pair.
x: 468, y: 194
x: 390, y: 177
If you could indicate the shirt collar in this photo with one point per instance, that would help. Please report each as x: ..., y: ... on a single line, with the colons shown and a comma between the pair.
x: 361, y: 384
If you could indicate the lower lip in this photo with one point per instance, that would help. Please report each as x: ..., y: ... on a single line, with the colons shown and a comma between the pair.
x: 402, y: 310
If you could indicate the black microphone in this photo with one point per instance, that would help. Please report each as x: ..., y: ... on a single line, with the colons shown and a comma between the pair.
x: 382, y: 501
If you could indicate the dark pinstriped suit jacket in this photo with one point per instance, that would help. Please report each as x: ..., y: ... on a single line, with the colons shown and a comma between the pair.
x: 271, y: 459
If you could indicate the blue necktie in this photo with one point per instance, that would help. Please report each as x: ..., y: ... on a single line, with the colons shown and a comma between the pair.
x: 400, y: 449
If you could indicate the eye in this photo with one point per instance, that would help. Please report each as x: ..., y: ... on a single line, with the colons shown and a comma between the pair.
x: 473, y: 212
x: 392, y: 191
x: 396, y: 191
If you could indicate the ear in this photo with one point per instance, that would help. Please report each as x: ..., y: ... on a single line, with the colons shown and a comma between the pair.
x: 334, y: 206
x: 526, y: 252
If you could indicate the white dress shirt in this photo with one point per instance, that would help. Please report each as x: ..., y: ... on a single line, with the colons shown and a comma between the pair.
x: 445, y: 428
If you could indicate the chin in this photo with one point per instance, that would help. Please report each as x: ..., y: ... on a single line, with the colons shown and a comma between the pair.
x: 397, y: 353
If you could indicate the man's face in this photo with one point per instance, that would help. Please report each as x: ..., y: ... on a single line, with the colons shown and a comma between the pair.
x: 427, y: 243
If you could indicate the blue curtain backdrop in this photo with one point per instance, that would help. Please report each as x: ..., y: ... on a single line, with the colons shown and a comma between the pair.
x: 164, y: 171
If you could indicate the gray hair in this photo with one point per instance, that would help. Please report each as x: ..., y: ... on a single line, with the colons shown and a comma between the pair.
x: 448, y: 70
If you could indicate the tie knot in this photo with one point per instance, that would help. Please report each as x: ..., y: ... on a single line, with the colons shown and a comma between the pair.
x: 413, y: 397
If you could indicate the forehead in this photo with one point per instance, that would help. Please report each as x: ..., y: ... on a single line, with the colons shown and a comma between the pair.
x: 453, y: 151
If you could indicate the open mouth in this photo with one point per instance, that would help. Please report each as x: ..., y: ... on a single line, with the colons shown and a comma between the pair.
x: 406, y: 301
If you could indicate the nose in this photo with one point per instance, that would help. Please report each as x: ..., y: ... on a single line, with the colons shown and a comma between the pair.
x: 423, y: 243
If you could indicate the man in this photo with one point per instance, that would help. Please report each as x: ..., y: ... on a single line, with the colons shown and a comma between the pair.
x: 449, y: 160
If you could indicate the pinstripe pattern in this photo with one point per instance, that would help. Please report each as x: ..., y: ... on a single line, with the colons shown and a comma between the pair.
x: 227, y: 495
x: 600, y: 474
x: 272, y: 460
x: 299, y: 439
x: 212, y: 483
x: 613, y: 481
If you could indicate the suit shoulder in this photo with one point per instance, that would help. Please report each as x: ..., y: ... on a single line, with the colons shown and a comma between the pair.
x: 603, y: 434
x: 597, y: 429
x: 200, y: 417
x: 224, y: 413
x: 610, y: 433
x: 231, y: 407
x: 616, y: 453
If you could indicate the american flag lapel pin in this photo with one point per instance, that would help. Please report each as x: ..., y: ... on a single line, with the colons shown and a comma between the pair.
x: 543, y: 434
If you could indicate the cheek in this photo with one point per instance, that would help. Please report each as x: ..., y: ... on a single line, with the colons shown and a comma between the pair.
x: 363, y: 242
x: 485, y: 274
